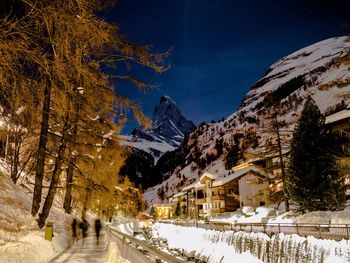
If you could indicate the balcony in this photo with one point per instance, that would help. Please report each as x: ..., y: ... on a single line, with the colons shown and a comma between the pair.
x: 217, y: 197
x: 201, y: 201
x: 217, y: 210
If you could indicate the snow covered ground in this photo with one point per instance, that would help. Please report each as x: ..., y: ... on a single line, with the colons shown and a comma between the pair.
x: 21, y: 240
x: 216, y: 246
x: 196, y: 241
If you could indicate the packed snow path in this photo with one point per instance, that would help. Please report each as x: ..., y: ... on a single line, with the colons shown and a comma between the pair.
x: 87, y: 250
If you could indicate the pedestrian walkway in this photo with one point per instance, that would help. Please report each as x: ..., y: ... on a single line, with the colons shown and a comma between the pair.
x: 88, y: 251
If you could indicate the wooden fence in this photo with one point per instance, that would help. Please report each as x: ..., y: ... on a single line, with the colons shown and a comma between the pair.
x: 138, y: 251
x: 325, y: 231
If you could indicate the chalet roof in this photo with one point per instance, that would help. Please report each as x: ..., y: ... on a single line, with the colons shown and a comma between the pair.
x: 340, y: 115
x: 179, y: 194
x: 213, y: 175
x: 237, y: 173
x: 163, y: 205
x: 193, y: 185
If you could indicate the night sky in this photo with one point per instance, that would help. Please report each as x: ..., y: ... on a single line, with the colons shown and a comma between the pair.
x: 219, y: 47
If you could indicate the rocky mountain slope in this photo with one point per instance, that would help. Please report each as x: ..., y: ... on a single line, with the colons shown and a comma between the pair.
x: 144, y: 164
x: 321, y: 70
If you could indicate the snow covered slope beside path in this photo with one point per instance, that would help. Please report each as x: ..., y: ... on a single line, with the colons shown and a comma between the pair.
x: 32, y: 248
x: 21, y: 240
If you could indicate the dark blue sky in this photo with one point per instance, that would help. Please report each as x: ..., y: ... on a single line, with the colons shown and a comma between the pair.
x: 220, y: 47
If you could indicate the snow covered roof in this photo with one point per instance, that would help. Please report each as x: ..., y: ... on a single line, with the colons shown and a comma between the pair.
x: 163, y: 205
x: 340, y: 115
x: 179, y: 194
x: 196, y: 185
x: 209, y: 175
x: 238, y: 172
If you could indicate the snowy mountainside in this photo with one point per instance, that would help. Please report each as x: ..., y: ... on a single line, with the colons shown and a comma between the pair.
x: 154, y: 148
x: 321, y: 70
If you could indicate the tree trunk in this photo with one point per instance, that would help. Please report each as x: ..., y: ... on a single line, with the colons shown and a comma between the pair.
x: 40, y: 164
x: 55, y: 175
x: 69, y: 182
x: 87, y: 199
x: 286, y: 202
x: 69, y: 185
x: 15, y: 160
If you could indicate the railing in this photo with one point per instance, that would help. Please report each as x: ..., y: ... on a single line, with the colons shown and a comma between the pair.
x: 217, y: 210
x: 217, y: 197
x: 138, y: 251
x: 326, y: 231
x: 201, y: 201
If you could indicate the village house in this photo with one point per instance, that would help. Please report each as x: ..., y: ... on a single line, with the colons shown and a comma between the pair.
x: 339, y: 123
x: 225, y: 191
x: 162, y: 211
x: 180, y: 199
x: 196, y: 199
x: 244, y: 185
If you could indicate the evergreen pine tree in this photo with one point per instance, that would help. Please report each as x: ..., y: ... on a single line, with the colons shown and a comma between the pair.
x: 313, y: 180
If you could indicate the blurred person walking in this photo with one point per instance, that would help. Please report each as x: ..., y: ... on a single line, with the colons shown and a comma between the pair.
x: 84, y: 226
x: 98, y: 227
x: 74, y: 229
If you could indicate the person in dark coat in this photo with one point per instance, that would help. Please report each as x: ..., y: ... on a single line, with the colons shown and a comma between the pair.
x: 98, y: 227
x: 84, y: 226
x: 74, y: 229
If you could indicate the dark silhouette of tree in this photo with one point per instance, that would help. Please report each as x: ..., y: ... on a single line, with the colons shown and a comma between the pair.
x: 313, y: 180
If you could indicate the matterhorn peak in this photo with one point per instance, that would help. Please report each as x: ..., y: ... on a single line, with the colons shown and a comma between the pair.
x: 168, y: 124
x: 166, y: 100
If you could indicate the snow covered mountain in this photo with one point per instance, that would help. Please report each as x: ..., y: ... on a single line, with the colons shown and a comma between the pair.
x: 145, y: 164
x: 168, y: 124
x: 321, y: 70
x: 168, y: 129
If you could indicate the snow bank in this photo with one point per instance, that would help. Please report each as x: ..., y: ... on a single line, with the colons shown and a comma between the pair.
x: 216, y: 246
x: 202, y: 243
x: 247, y: 215
x: 227, y: 218
x: 32, y: 248
x: 316, y: 217
x: 21, y: 240
x: 247, y: 209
